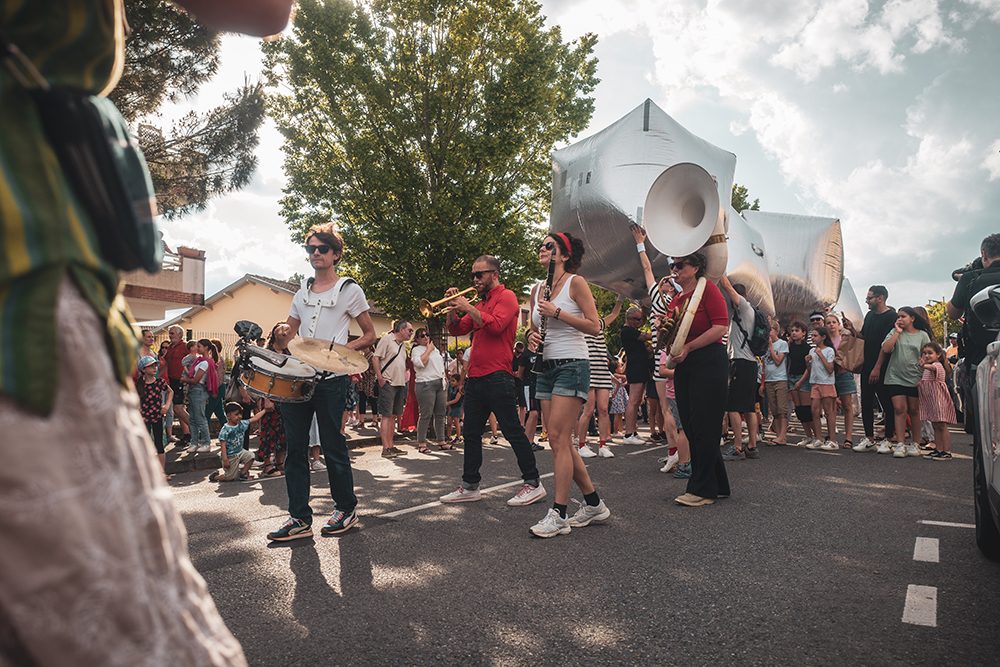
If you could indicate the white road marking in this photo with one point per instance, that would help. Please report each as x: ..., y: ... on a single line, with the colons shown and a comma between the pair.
x: 946, y: 524
x: 648, y: 449
x: 819, y: 451
x: 925, y: 550
x: 921, y: 606
x: 409, y: 510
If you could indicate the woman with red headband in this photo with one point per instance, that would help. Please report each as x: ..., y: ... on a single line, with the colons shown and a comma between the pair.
x: 563, y: 384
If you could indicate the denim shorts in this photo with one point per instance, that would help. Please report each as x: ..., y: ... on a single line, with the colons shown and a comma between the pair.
x: 845, y: 384
x: 792, y: 379
x: 569, y: 379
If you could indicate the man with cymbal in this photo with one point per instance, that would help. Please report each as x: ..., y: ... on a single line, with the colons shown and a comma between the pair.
x: 323, y: 309
x: 489, y: 386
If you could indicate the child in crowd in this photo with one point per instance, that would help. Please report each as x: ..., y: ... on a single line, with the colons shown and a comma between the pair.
x: 776, y: 384
x: 456, y: 398
x: 236, y: 461
x: 902, y: 345
x: 798, y: 381
x: 820, y: 374
x: 271, y: 445
x: 619, y: 399
x: 152, y: 404
x: 935, y: 401
x: 679, y: 450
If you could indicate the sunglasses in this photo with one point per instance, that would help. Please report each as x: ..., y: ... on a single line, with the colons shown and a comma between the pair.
x: 678, y: 265
x: 547, y: 246
x: 477, y: 275
x: 323, y: 248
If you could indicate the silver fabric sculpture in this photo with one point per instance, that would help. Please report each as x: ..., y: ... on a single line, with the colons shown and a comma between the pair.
x: 848, y: 304
x: 600, y: 187
x: 748, y: 261
x: 805, y: 260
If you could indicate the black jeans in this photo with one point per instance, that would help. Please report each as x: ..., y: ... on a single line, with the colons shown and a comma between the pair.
x: 701, y: 384
x: 869, y: 392
x: 483, y: 395
x: 327, y: 403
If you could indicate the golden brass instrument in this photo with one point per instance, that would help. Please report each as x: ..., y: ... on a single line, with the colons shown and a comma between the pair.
x: 440, y: 307
x: 666, y: 331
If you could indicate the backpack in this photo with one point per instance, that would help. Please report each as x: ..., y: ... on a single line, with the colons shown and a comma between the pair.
x: 759, y: 334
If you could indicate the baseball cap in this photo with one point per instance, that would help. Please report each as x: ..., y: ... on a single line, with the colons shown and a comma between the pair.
x: 147, y: 361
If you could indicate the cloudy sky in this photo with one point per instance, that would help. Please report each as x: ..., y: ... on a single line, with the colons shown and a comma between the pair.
x: 884, y: 115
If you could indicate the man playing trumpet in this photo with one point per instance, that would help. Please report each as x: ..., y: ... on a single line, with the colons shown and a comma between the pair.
x: 489, y: 387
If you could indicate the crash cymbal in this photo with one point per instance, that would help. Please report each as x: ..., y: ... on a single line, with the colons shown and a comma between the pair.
x: 326, y: 356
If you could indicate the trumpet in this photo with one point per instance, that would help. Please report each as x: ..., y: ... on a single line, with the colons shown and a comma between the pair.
x: 440, y: 307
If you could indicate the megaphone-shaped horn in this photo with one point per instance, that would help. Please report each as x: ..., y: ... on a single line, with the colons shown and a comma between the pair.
x: 682, y: 209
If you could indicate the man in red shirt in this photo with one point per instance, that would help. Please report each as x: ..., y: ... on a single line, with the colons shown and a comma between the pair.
x: 489, y: 387
x: 175, y: 352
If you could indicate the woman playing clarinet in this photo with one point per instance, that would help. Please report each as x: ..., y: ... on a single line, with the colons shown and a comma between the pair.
x: 566, y: 311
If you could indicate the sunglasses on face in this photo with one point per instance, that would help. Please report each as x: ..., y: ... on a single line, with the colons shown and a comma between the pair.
x: 678, y: 265
x: 478, y: 275
x: 323, y: 248
x: 548, y: 245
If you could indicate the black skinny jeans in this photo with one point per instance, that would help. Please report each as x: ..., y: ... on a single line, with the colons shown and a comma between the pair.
x: 483, y: 395
x: 701, y: 384
x: 869, y: 392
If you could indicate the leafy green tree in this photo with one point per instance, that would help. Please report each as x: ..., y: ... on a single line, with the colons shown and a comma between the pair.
x: 168, y: 56
x: 741, y: 199
x: 424, y: 131
x: 939, y: 320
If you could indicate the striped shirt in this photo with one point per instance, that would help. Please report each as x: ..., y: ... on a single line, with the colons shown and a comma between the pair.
x: 597, y: 352
x: 659, y: 305
x: 45, y: 235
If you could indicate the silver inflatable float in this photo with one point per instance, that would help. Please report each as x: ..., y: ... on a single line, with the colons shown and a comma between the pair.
x: 805, y: 261
x: 748, y: 261
x: 848, y: 304
x: 603, y: 184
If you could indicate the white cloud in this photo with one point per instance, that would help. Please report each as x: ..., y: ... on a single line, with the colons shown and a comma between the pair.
x: 991, y: 162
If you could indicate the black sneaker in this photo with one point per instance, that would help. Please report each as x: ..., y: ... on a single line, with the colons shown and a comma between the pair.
x: 751, y: 452
x: 535, y: 447
x: 940, y: 456
x: 292, y: 529
x: 339, y: 522
x: 389, y: 453
x: 397, y: 451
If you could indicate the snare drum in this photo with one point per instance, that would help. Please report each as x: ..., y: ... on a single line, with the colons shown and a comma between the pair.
x: 292, y: 383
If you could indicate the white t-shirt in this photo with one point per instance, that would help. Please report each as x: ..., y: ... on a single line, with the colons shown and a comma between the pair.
x: 772, y: 371
x: 432, y: 370
x: 737, y: 349
x: 819, y: 374
x: 327, y: 315
x: 386, y: 349
x: 202, y: 366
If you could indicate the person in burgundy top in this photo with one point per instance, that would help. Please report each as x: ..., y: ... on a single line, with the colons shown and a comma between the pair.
x: 489, y: 386
x: 176, y: 352
x: 701, y: 382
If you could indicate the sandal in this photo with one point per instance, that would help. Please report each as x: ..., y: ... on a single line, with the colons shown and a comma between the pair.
x: 848, y: 444
x: 445, y: 446
x: 424, y: 449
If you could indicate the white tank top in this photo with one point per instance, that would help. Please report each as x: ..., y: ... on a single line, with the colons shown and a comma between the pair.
x: 561, y: 340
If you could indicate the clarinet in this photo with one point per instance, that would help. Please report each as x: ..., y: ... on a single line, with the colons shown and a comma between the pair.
x: 547, y: 294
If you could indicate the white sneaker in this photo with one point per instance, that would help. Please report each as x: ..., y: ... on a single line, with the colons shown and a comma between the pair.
x: 670, y: 462
x: 634, y: 439
x: 605, y: 452
x: 912, y: 449
x: 829, y: 446
x: 587, y: 514
x: 899, y: 451
x: 884, y: 447
x: 865, y: 445
x: 203, y: 449
x: 814, y: 444
x: 586, y: 452
x: 526, y: 495
x: 551, y: 525
x: 804, y: 442
x: 462, y: 495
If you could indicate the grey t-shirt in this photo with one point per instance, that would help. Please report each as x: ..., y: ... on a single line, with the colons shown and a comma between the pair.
x: 739, y: 346
x: 904, y: 364
x: 774, y: 372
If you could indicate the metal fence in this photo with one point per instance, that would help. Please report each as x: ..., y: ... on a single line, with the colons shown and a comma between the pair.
x: 228, y: 341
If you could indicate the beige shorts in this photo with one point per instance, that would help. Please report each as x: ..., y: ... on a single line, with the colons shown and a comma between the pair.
x: 94, y: 567
x: 777, y: 397
x: 235, y: 463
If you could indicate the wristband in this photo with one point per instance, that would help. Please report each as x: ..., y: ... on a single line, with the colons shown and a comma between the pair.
x: 558, y: 310
x: 640, y: 247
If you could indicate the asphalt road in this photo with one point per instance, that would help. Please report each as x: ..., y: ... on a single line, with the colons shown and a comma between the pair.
x: 808, y: 563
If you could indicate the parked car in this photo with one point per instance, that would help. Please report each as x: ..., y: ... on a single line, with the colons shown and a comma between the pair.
x: 986, y: 460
